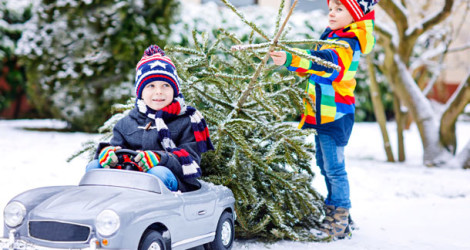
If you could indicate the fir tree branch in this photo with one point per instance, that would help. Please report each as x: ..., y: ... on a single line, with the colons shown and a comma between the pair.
x: 240, y: 15
x: 279, y: 14
x: 315, y: 42
x: 215, y: 100
x: 314, y: 59
x: 281, y: 29
x: 223, y: 75
x: 183, y: 50
x: 241, y: 47
x: 254, y: 79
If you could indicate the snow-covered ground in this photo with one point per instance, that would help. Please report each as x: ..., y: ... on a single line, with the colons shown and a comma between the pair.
x: 397, y: 206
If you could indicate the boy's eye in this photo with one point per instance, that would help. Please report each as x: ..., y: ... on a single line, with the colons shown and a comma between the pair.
x: 167, y: 85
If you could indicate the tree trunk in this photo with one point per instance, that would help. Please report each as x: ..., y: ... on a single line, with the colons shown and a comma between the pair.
x: 400, y: 118
x: 462, y: 160
x: 455, y: 106
x: 379, y: 109
x: 434, y: 154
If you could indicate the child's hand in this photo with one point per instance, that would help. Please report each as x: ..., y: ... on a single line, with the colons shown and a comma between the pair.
x: 108, y: 157
x: 147, y: 159
x: 279, y: 57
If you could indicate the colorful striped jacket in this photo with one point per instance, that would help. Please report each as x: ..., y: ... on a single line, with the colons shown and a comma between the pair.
x: 331, y: 91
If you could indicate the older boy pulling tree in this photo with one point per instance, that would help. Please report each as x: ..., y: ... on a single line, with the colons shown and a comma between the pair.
x: 350, y: 22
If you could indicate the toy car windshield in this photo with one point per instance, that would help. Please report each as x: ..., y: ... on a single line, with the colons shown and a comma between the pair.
x: 119, y: 178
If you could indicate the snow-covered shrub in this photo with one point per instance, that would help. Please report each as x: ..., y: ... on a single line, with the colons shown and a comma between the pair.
x: 11, y: 23
x: 81, y: 55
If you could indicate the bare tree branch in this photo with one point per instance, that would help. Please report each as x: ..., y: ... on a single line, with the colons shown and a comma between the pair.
x: 397, y: 12
x: 382, y: 31
x: 433, y: 20
x: 461, y: 48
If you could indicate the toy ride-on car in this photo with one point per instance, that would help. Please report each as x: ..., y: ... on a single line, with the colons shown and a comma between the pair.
x: 119, y: 209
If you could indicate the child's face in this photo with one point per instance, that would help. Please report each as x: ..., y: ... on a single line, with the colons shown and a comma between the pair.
x: 157, y: 94
x: 338, y: 16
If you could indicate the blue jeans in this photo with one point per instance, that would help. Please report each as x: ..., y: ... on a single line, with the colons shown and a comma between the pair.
x: 163, y: 173
x: 330, y: 159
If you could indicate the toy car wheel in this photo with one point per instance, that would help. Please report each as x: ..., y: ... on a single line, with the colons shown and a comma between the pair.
x: 152, y: 240
x: 224, y: 235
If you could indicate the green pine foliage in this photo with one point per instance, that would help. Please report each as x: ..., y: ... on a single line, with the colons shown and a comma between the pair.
x: 263, y: 159
x: 80, y: 55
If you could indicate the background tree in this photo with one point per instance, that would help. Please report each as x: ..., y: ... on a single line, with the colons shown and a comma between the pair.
x: 379, y: 110
x: 11, y: 23
x: 414, y: 22
x: 80, y: 55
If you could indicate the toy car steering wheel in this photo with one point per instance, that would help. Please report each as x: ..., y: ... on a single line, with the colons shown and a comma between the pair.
x: 126, y: 160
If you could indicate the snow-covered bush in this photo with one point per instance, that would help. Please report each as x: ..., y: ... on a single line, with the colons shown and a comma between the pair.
x: 80, y: 55
x: 11, y: 23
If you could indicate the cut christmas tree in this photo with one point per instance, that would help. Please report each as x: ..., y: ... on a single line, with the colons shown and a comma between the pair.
x: 250, y: 107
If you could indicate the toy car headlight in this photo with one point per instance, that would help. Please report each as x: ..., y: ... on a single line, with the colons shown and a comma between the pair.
x: 14, y: 214
x: 107, y: 222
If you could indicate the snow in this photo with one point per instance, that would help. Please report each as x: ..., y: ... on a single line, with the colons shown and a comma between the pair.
x: 396, y: 205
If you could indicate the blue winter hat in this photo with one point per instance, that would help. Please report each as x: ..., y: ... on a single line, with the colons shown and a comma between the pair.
x: 155, y: 66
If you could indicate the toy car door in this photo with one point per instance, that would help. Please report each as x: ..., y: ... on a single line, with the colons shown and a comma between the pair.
x: 199, y: 207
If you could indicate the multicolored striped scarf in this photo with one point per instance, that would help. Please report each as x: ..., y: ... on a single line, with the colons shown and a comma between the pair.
x: 177, y: 108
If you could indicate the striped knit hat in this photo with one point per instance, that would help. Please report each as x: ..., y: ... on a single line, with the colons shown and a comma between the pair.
x: 155, y: 66
x: 358, y: 8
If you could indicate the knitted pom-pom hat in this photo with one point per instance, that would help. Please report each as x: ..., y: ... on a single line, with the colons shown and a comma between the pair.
x: 155, y: 66
x: 358, y: 8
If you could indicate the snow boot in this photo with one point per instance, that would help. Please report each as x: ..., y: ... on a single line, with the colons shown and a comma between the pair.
x: 335, y: 224
x: 329, y: 209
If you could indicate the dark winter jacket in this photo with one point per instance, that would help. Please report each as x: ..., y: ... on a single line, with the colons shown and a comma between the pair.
x: 130, y: 133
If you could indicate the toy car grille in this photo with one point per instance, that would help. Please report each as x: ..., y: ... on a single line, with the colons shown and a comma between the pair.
x: 58, y: 231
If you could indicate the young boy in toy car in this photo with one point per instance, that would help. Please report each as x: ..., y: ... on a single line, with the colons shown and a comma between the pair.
x: 168, y: 135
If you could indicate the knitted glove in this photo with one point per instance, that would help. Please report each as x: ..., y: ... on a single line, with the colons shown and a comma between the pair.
x: 147, y: 159
x: 108, y: 157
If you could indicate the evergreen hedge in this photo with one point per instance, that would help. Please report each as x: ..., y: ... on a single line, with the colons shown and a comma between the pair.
x: 80, y: 56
